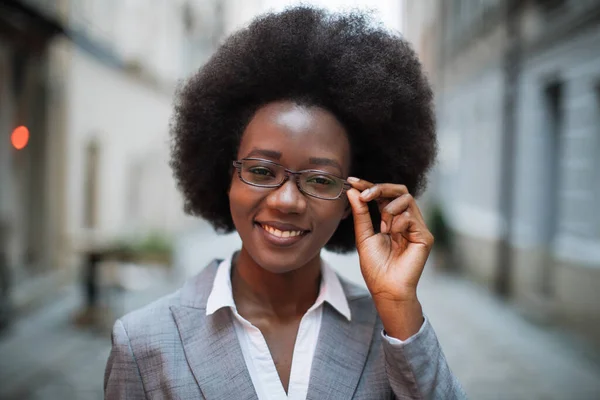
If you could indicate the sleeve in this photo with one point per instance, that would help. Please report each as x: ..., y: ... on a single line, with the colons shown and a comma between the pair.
x: 394, y: 341
x: 417, y: 368
x: 122, y: 378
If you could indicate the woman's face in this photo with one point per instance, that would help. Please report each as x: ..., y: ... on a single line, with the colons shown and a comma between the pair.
x: 298, y: 138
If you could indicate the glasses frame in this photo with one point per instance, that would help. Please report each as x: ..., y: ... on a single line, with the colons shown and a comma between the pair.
x: 288, y: 173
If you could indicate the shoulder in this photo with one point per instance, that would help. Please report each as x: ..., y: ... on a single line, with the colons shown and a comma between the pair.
x: 157, y: 317
x: 151, y: 318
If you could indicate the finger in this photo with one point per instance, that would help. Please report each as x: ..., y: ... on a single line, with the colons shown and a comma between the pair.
x: 363, y: 225
x: 383, y: 191
x: 398, y: 206
x: 414, y: 207
x: 359, y: 184
x: 400, y: 224
x: 414, y: 243
x: 411, y: 229
x: 380, y: 192
x: 395, y: 207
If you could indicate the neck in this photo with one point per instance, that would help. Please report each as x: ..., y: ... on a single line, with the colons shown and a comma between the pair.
x: 257, y: 291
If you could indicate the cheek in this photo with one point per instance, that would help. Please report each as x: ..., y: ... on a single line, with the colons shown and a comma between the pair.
x: 239, y: 200
x: 331, y: 217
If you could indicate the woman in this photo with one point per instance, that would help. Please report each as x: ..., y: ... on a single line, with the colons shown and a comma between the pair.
x: 281, y: 136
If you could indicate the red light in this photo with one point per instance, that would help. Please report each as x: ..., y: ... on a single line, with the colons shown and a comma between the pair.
x: 20, y: 137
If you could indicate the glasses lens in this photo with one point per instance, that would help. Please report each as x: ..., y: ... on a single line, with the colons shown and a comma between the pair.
x: 321, y: 185
x: 261, y: 173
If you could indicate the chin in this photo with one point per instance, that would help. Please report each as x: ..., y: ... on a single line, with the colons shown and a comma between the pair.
x: 278, y: 263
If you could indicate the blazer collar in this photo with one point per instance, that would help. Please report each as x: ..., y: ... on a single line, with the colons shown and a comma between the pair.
x: 343, y: 347
x: 210, y: 343
x: 216, y: 360
x: 196, y: 290
x: 331, y: 290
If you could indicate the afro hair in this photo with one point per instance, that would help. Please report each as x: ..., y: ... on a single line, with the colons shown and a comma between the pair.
x: 368, y: 77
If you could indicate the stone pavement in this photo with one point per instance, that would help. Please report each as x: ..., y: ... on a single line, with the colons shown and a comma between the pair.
x: 495, y: 353
x: 45, y: 356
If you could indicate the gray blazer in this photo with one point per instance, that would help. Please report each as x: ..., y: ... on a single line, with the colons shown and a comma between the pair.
x: 171, y: 349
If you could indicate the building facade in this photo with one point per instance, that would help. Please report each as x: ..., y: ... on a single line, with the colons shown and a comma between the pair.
x: 518, y: 108
x: 30, y: 215
x: 95, y: 87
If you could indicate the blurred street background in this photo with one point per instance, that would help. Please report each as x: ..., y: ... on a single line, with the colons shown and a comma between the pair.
x: 91, y: 224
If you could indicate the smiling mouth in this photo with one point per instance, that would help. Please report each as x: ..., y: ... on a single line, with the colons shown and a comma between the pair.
x: 282, y: 234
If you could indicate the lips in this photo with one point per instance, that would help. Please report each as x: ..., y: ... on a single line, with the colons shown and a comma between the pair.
x: 278, y: 233
x: 281, y: 234
x: 281, y: 227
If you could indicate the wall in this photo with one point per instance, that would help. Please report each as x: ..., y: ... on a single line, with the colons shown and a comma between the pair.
x: 130, y: 122
x: 555, y: 239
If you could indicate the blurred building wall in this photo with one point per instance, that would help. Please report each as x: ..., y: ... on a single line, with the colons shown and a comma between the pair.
x: 238, y: 13
x: 125, y: 122
x: 203, y: 23
x: 124, y: 62
x: 96, y: 168
x: 30, y: 187
x: 518, y: 106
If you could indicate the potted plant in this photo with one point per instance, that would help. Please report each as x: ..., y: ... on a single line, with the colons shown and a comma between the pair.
x: 440, y: 229
x: 154, y: 248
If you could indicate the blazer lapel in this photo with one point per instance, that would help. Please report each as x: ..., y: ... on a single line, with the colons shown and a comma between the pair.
x: 210, y: 343
x: 342, y: 348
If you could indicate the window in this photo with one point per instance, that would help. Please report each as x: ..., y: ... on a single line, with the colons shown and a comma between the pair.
x: 133, y: 202
x: 90, y: 185
x: 554, y: 109
x: 549, y: 5
x: 553, y: 95
x: 596, y: 177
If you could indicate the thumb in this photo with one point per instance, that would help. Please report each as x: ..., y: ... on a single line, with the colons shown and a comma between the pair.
x: 363, y: 225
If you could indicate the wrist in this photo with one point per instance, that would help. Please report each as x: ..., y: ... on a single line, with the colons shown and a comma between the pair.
x: 401, y: 319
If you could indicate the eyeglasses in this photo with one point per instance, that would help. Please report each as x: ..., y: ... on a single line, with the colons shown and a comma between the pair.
x: 268, y: 174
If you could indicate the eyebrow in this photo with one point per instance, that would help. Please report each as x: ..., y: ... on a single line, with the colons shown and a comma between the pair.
x: 325, y: 161
x: 264, y: 152
x: 277, y: 155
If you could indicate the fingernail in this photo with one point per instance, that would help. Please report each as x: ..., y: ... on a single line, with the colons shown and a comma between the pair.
x: 383, y: 227
x: 366, y: 193
x: 352, y: 179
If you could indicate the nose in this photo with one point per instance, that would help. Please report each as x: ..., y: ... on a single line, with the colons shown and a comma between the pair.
x: 287, y: 198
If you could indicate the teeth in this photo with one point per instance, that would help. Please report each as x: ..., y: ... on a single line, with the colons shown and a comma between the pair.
x: 278, y: 233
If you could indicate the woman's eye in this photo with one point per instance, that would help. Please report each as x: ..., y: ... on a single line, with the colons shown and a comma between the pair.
x: 320, y: 180
x: 261, y: 171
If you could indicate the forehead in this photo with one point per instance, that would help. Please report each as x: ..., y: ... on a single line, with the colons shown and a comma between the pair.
x: 298, y: 133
